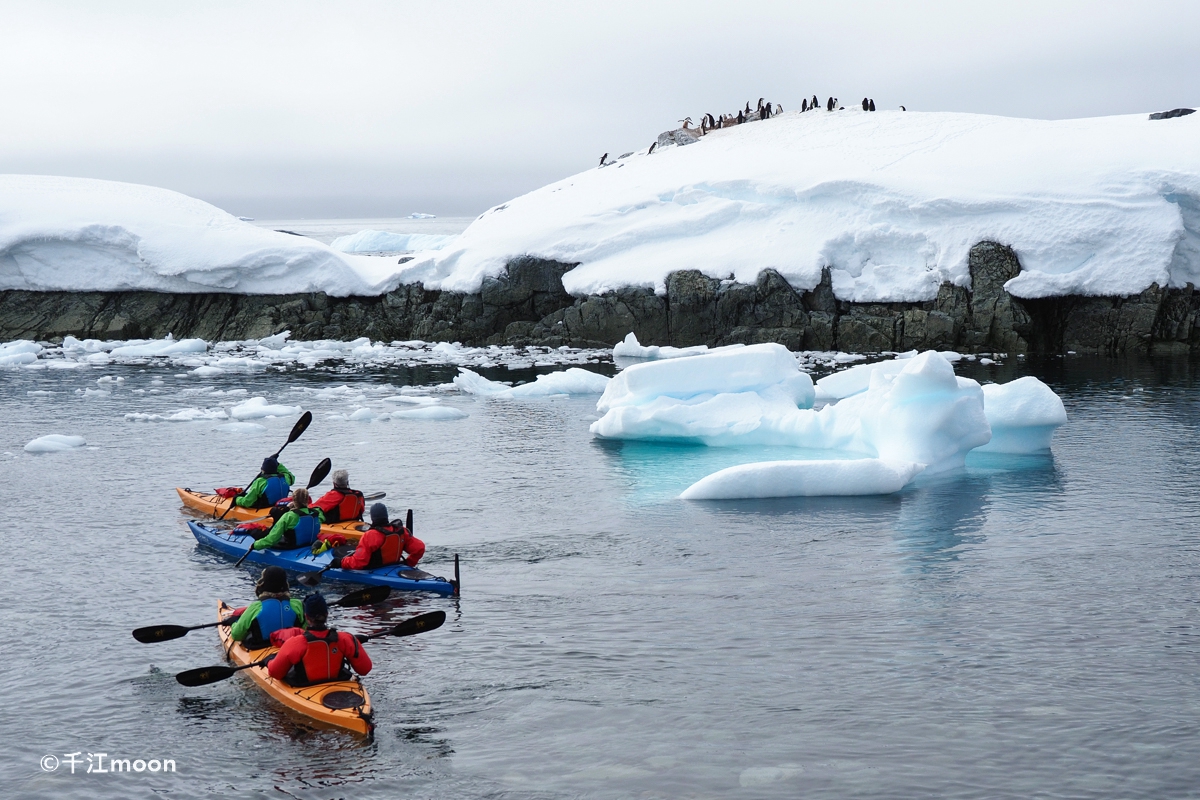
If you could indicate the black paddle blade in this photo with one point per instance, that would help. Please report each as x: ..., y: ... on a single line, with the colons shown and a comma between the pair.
x: 419, y: 624
x: 364, y: 597
x: 309, y: 578
x: 408, y: 521
x: 320, y: 472
x: 160, y: 633
x: 300, y: 427
x: 202, y: 676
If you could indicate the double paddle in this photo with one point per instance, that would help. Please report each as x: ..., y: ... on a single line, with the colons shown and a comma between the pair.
x: 297, y: 431
x: 219, y: 672
x: 317, y: 476
x: 165, y: 633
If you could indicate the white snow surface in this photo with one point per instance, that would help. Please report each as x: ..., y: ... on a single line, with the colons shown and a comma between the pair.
x: 54, y: 443
x: 630, y: 347
x: 833, y: 477
x: 80, y: 234
x: 891, y: 201
x: 388, y: 242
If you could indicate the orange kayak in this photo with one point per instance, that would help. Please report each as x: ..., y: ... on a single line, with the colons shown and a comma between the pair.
x: 213, y: 505
x: 344, y: 704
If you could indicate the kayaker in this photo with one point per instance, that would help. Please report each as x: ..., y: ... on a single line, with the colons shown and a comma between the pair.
x: 319, y: 653
x: 274, y: 610
x: 298, y: 527
x: 384, y: 544
x: 341, y: 503
x: 272, y: 485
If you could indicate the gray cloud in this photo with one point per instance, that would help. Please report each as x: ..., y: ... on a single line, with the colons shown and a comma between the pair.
x: 376, y: 108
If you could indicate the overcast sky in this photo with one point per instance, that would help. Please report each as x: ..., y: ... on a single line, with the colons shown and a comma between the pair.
x: 341, y: 109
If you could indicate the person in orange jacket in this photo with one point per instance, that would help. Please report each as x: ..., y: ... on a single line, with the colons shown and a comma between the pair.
x: 384, y: 544
x: 317, y: 654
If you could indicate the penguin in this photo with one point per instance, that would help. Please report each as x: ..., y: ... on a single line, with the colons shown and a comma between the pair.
x: 603, y: 158
x: 778, y: 110
x: 829, y: 104
x: 902, y: 108
x: 760, y: 104
x: 872, y: 103
x: 770, y: 112
x: 741, y: 118
x: 804, y: 105
x: 813, y: 105
x: 652, y: 146
x: 747, y: 108
x: 865, y: 106
x: 685, y: 122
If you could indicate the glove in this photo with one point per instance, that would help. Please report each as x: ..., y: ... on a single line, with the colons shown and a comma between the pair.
x: 336, y: 563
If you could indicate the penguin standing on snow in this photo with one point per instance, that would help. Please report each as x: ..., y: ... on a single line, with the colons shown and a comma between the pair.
x: 829, y: 104
x: 813, y: 105
x: 865, y: 104
x: 872, y: 104
x: 603, y: 158
x: 651, y: 150
x: 902, y: 108
x: 741, y: 117
x: 804, y: 105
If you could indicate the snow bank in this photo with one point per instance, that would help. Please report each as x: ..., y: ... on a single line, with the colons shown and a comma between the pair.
x: 78, y: 234
x: 891, y: 201
x: 257, y: 408
x: 924, y: 414
x: 386, y: 242
x: 804, y: 479
x: 54, y: 443
x: 569, y: 381
x: 1023, y: 415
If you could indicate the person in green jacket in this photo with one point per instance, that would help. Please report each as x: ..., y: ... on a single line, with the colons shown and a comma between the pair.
x: 298, y: 527
x: 258, y: 495
x: 275, y: 609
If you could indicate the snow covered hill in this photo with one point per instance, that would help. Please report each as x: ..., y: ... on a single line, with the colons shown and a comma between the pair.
x: 79, y: 234
x: 892, y: 201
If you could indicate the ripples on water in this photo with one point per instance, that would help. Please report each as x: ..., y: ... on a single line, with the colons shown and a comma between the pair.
x: 1024, y: 628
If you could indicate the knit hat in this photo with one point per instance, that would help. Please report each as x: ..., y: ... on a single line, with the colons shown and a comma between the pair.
x: 315, y: 606
x: 379, y: 515
x: 270, y: 465
x: 273, y: 581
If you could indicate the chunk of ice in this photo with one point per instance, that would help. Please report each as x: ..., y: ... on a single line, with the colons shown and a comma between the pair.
x: 257, y: 408
x: 804, y: 479
x: 54, y: 443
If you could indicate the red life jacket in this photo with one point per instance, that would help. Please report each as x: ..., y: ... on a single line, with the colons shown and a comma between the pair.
x: 391, y: 550
x: 323, y: 660
x: 352, y: 505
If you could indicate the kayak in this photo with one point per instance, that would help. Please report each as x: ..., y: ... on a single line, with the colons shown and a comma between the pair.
x: 341, y: 703
x: 214, y: 506
x: 401, y: 577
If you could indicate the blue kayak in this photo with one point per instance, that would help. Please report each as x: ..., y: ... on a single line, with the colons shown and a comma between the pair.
x: 233, y: 545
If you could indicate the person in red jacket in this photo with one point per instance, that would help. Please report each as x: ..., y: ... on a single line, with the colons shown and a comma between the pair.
x: 341, y: 503
x: 384, y: 544
x: 318, y: 654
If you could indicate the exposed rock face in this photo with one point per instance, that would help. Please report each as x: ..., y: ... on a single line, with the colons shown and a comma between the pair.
x: 528, y: 305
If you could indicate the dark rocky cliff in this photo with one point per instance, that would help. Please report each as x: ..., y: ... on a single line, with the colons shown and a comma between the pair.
x: 528, y: 305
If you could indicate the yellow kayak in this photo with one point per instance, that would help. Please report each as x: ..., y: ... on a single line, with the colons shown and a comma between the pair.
x: 341, y: 703
x: 213, y: 505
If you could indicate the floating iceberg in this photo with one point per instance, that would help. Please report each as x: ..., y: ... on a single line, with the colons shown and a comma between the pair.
x: 430, y: 412
x: 54, y: 443
x: 835, y: 477
x: 257, y: 408
x: 14, y: 354
x: 568, y: 381
x: 1023, y: 415
x: 387, y: 242
x: 631, y: 348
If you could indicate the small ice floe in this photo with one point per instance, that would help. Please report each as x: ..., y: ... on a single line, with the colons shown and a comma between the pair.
x: 183, y: 415
x: 94, y: 393
x: 18, y: 353
x: 54, y: 443
x: 207, y: 372
x: 832, y: 478
x: 569, y: 381
x: 430, y: 413
x: 257, y: 408
x: 241, y: 427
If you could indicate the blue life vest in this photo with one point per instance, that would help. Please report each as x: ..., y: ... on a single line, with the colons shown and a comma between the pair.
x: 308, y: 527
x: 274, y: 615
x: 277, y: 489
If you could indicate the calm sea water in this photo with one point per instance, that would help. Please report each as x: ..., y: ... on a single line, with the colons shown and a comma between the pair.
x: 1025, y: 628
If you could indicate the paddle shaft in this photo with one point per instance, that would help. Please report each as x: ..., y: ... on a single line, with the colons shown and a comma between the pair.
x: 297, y: 430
